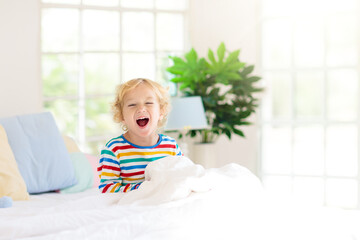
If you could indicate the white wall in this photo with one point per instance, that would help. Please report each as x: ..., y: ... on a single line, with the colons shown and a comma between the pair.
x: 234, y: 22
x: 20, y: 90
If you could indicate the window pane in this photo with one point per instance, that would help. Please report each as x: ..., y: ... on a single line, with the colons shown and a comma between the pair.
x: 341, y: 150
x: 137, y: 3
x: 309, y: 95
x: 342, y: 41
x: 341, y: 193
x: 310, y: 59
x: 171, y: 4
x: 62, y: 1
x: 95, y: 147
x: 276, y: 150
x: 60, y: 75
x: 169, y: 32
x: 277, y: 100
x: 138, y: 31
x: 137, y: 65
x: 309, y: 190
x: 101, y: 72
x: 162, y: 76
x: 101, y: 30
x: 309, y: 151
x: 106, y: 3
x: 309, y: 42
x: 276, y: 46
x: 66, y: 115
x: 342, y: 95
x: 99, y: 119
x: 59, y: 33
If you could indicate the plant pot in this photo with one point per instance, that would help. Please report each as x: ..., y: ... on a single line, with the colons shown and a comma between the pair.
x: 204, y: 154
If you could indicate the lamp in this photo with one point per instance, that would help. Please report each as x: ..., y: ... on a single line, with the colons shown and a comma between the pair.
x: 187, y: 114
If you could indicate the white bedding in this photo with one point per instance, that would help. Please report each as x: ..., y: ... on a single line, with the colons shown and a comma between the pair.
x: 178, y: 200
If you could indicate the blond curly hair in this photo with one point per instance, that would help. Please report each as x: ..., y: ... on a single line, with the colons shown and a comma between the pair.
x: 122, y: 89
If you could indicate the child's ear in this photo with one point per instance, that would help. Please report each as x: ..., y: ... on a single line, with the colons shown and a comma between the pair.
x: 122, y: 121
x: 161, y: 117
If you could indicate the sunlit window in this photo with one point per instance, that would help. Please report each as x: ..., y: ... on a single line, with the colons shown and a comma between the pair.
x: 310, y: 112
x: 90, y: 46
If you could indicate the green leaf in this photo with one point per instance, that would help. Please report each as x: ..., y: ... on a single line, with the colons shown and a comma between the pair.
x: 175, y: 70
x: 228, y: 133
x: 247, y: 70
x: 231, y: 75
x: 227, y: 126
x: 191, y: 57
x: 178, y: 79
x: 239, y: 132
x: 214, y: 92
x: 184, y: 85
x: 233, y: 56
x: 235, y: 66
x: 177, y: 60
x: 254, y: 79
x: 211, y: 57
x: 221, y: 52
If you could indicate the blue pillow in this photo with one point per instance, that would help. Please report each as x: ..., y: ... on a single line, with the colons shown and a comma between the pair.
x: 40, y: 152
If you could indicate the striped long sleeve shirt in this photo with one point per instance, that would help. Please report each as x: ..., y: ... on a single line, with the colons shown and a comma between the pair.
x: 122, y: 163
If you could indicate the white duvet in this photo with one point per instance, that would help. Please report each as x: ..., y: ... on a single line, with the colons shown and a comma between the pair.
x: 178, y: 200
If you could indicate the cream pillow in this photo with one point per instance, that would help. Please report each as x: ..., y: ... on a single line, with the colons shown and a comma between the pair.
x: 70, y: 144
x: 11, y: 182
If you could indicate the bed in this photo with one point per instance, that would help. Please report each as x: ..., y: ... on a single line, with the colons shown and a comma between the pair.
x: 178, y: 200
x: 184, y: 202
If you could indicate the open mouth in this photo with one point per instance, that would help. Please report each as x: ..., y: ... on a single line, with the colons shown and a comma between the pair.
x: 142, y: 122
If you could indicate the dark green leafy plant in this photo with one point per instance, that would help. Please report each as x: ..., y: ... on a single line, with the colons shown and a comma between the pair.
x: 225, y: 85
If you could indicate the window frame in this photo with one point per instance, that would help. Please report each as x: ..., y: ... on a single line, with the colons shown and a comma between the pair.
x: 325, y: 122
x: 81, y: 97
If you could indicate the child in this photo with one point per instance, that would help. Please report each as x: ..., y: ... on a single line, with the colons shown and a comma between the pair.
x: 141, y: 106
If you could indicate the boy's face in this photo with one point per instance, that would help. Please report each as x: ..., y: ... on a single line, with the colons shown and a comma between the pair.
x: 141, y: 112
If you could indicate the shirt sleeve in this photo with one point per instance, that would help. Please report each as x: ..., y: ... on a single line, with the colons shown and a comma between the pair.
x: 178, y: 151
x: 130, y: 186
x: 109, y: 172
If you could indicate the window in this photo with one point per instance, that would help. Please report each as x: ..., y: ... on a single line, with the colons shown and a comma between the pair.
x: 310, y: 113
x: 90, y: 46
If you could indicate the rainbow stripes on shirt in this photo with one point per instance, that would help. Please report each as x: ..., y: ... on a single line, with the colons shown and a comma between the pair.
x: 122, y: 164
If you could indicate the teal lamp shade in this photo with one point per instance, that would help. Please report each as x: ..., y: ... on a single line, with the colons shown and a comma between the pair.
x: 187, y: 113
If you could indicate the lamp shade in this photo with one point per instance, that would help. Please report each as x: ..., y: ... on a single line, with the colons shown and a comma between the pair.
x: 187, y: 114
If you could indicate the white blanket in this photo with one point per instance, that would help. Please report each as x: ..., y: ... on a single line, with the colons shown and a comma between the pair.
x: 174, y: 178
x: 178, y: 200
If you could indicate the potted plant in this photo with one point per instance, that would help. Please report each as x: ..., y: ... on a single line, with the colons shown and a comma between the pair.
x: 225, y: 85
